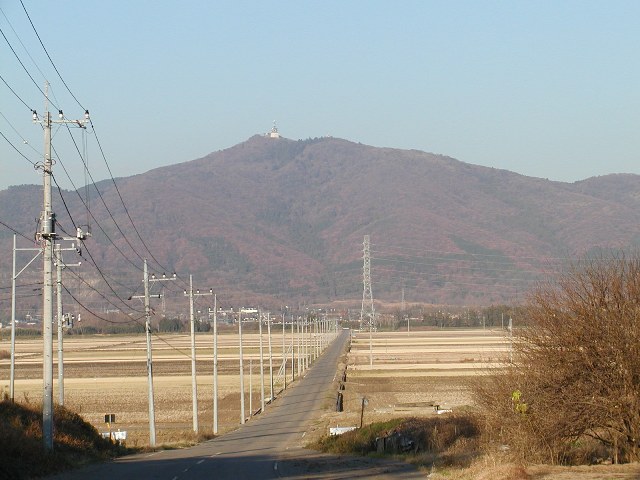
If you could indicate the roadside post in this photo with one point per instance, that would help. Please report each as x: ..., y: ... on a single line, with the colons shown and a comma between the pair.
x: 110, y: 418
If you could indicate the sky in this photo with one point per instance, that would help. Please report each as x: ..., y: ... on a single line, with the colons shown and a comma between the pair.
x: 548, y: 89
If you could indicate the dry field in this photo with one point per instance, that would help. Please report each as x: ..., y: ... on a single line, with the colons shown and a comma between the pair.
x: 412, y: 372
x: 107, y: 374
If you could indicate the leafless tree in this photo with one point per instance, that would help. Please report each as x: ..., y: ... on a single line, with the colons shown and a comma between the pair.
x: 576, y: 370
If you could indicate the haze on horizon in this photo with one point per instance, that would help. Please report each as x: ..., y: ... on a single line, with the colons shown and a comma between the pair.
x: 546, y: 89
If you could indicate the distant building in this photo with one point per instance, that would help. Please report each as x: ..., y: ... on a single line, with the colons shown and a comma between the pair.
x: 274, y: 131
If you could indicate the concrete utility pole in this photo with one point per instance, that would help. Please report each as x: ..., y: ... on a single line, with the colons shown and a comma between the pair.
x: 47, y: 236
x: 261, y: 363
x: 284, y: 355
x: 270, y: 358
x: 194, y: 381
x: 215, y: 364
x: 59, y: 266
x: 299, y: 356
x: 293, y: 370
x: 242, y: 419
x: 250, y: 387
x: 14, y: 276
x: 147, y: 326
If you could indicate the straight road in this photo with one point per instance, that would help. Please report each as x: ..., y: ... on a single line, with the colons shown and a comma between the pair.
x: 268, y: 446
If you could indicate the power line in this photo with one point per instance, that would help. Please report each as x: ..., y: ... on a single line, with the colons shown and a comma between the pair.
x: 123, y: 202
x: 18, y: 151
x: 468, y: 254
x: 132, y: 320
x: 95, y: 220
x: 15, y: 231
x: 24, y: 140
x: 25, y: 69
x: 102, y: 198
x: 49, y: 56
x: 16, y: 95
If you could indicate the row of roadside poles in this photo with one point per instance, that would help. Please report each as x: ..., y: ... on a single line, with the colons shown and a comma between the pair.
x: 308, y: 338
x: 303, y: 341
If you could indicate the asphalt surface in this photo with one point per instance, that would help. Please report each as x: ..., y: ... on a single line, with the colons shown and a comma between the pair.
x: 269, y: 446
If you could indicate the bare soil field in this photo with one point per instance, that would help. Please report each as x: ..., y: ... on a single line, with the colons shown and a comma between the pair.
x: 410, y: 374
x: 107, y: 374
x: 404, y: 374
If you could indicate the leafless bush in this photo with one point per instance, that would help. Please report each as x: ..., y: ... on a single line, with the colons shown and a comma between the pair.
x: 576, y: 370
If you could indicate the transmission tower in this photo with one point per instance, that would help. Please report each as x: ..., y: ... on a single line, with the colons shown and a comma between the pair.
x: 367, y: 313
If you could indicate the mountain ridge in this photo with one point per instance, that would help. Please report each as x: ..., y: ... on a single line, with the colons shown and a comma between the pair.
x: 281, y: 219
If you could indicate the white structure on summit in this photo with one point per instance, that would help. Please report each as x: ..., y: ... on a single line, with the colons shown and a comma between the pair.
x: 274, y: 131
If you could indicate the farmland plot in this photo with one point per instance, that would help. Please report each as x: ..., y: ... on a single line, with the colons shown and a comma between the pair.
x: 413, y: 372
x: 107, y: 374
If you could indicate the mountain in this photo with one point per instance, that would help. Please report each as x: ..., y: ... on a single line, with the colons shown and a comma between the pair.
x: 273, y: 220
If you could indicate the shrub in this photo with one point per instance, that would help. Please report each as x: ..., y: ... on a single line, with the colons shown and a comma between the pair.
x: 576, y: 370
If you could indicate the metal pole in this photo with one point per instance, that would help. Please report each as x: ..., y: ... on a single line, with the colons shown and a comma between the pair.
x: 147, y: 325
x: 215, y: 364
x: 194, y: 382
x: 242, y: 419
x: 250, y: 387
x: 261, y: 364
x: 60, y: 336
x: 270, y: 358
x: 13, y: 313
x: 13, y: 324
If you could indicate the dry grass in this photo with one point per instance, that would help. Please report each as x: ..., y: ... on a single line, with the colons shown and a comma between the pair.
x: 22, y: 454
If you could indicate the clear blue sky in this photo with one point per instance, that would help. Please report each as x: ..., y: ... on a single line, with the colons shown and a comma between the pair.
x: 543, y: 88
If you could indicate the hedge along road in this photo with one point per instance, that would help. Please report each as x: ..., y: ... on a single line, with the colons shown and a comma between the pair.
x: 268, y: 446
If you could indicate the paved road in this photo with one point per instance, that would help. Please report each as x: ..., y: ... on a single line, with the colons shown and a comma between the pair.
x: 269, y: 446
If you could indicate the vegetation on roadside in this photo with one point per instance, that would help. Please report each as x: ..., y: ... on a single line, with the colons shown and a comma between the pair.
x: 449, y: 440
x: 22, y: 453
x: 572, y: 393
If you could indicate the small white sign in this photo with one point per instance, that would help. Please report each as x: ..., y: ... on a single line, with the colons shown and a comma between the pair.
x: 340, y: 430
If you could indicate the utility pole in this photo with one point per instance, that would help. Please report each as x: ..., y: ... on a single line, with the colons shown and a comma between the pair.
x: 215, y: 364
x: 242, y: 419
x: 59, y: 266
x: 261, y: 363
x: 250, y: 387
x: 194, y: 381
x: 14, y: 276
x: 47, y: 236
x: 284, y: 355
x: 510, y: 340
x: 147, y: 327
x: 293, y: 369
x: 270, y: 358
x: 298, y: 346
